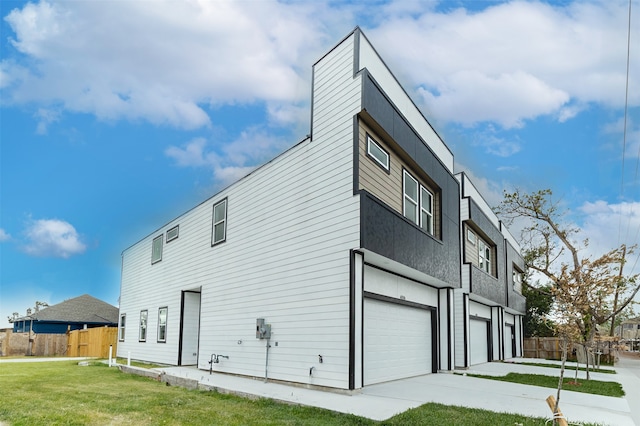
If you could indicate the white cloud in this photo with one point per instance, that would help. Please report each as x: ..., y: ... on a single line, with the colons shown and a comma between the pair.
x: 4, y: 236
x: 167, y: 62
x: 52, y: 238
x: 161, y: 61
x: 610, y: 225
x: 514, y: 61
x: 228, y: 162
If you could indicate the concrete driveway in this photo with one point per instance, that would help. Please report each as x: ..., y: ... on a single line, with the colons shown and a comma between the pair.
x: 385, y: 400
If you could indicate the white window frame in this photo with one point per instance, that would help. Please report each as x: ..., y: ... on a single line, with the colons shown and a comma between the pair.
x: 175, y: 230
x: 122, y: 327
x: 384, y: 162
x: 471, y: 236
x: 144, y: 321
x: 484, y: 256
x: 420, y: 205
x: 162, y: 334
x: 156, y: 255
x: 428, y: 210
x: 407, y: 199
x: 221, y: 222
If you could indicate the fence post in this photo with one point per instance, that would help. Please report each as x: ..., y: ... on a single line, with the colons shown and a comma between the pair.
x: 110, y: 352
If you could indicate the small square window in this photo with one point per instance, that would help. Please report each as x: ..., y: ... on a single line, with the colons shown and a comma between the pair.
x: 172, y: 233
x: 219, y: 231
x: 156, y: 249
x: 378, y: 154
x: 162, y: 324
x: 123, y: 320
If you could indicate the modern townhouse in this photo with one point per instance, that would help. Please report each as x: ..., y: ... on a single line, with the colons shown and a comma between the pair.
x: 489, y: 307
x: 336, y: 264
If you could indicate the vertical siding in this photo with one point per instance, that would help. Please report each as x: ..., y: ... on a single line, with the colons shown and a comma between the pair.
x: 290, y: 226
x: 459, y: 321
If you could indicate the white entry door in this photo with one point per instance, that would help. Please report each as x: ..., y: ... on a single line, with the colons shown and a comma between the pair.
x: 397, y: 341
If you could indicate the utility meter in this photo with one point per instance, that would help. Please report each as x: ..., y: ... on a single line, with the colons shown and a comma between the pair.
x: 263, y: 331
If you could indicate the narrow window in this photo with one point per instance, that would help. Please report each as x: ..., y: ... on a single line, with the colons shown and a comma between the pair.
x: 172, y: 233
x: 123, y: 319
x: 471, y: 237
x: 162, y: 324
x: 410, y: 197
x: 143, y: 326
x: 378, y: 154
x: 426, y: 210
x: 219, y: 232
x: 484, y: 256
x: 156, y: 249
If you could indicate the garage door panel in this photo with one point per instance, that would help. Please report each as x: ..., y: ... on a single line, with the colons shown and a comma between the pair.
x: 479, y: 341
x: 397, y: 341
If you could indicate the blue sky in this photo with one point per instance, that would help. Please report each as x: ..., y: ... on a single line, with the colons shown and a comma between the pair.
x: 116, y: 117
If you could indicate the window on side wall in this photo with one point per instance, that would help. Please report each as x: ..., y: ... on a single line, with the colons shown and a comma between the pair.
x: 219, y: 227
x: 156, y: 249
x: 143, y: 326
x: 484, y: 256
x: 172, y: 233
x: 162, y: 324
x: 377, y: 153
x: 417, y: 203
x: 123, y: 320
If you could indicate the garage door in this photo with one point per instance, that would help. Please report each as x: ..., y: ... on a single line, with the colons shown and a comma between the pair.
x: 397, y: 341
x: 478, y: 340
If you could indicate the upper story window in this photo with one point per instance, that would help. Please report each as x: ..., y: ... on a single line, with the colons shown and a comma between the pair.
x: 417, y: 203
x: 484, y: 257
x: 156, y: 249
x: 123, y: 320
x: 219, y: 231
x: 471, y: 237
x: 517, y: 280
x: 172, y: 233
x: 379, y: 155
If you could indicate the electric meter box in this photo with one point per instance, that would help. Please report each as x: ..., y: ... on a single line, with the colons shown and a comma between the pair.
x: 263, y: 331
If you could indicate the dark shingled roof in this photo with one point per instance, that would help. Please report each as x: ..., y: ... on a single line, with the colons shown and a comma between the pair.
x: 82, y: 309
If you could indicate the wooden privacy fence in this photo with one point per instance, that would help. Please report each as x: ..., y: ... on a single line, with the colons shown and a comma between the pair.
x: 92, y: 342
x: 543, y: 347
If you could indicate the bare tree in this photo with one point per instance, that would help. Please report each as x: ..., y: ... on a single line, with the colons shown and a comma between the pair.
x: 589, y: 292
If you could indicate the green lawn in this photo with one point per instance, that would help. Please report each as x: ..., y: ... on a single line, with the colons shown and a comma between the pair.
x: 595, y: 387
x: 567, y: 368
x: 63, y: 393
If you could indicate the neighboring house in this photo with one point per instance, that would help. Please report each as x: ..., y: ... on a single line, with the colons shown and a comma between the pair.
x: 629, y: 329
x: 489, y: 307
x: 334, y: 264
x: 74, y: 314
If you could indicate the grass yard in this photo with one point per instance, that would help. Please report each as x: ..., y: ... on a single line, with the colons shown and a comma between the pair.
x: 567, y: 368
x: 595, y: 387
x: 63, y: 393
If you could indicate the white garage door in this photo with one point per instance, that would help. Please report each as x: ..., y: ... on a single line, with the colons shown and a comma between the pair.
x: 397, y: 341
x: 478, y: 341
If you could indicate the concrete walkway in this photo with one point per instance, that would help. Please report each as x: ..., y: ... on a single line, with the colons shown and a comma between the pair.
x: 381, y: 401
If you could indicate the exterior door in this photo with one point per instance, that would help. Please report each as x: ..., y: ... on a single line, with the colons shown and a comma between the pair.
x: 189, y: 328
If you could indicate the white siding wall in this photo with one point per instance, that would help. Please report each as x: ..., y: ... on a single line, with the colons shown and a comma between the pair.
x: 290, y: 227
x: 479, y: 310
x: 459, y: 322
x: 387, y: 284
